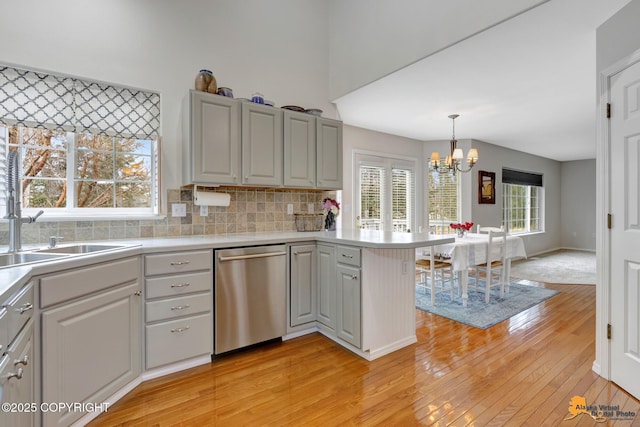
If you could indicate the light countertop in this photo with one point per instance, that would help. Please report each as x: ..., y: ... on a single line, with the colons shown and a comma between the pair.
x: 12, y: 278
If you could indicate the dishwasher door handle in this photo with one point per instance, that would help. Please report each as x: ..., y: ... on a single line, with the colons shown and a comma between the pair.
x: 252, y: 256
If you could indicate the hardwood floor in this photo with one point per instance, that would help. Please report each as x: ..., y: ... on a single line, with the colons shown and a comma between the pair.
x: 521, y: 372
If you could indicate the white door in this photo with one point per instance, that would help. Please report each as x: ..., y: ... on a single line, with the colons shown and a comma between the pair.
x: 625, y: 231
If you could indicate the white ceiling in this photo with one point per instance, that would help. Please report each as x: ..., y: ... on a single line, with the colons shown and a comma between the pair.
x: 528, y: 84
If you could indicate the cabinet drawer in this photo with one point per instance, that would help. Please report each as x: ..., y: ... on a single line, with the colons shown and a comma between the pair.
x: 348, y: 255
x: 83, y: 281
x: 19, y: 310
x: 178, y: 307
x: 180, y: 339
x: 178, y: 284
x: 177, y: 262
x: 4, y: 328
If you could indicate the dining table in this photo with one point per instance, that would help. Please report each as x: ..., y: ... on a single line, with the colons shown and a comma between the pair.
x: 471, y: 250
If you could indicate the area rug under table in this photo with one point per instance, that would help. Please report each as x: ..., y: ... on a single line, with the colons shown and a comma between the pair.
x: 478, y: 313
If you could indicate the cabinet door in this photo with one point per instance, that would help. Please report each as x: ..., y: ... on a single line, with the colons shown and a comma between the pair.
x: 17, y: 381
x: 329, y: 153
x: 327, y: 286
x: 299, y: 150
x: 349, y: 305
x: 303, y: 277
x: 261, y: 145
x: 93, y: 349
x: 214, y: 155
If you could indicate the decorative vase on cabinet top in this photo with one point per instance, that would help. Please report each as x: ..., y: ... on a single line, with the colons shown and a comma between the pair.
x: 203, y: 80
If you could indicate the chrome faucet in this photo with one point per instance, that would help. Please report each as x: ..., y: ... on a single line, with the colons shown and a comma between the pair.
x: 14, y: 205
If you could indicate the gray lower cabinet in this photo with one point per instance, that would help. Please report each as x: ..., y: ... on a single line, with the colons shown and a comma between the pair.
x: 91, y: 339
x: 349, y: 295
x: 348, y: 304
x: 262, y: 147
x: 302, y: 284
x: 327, y: 286
x: 17, y: 380
x: 178, y: 306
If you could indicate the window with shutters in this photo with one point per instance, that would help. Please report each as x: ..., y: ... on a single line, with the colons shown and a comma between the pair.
x: 443, y: 196
x: 522, y: 202
x: 85, y: 148
x: 386, y: 193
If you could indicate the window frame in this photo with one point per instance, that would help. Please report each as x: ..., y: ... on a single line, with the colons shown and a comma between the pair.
x: 70, y: 211
x: 507, y: 217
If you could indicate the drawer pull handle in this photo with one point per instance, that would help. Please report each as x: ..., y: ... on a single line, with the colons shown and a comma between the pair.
x: 175, y: 330
x: 354, y: 277
x: 17, y: 375
x: 24, y: 361
x: 180, y: 307
x: 180, y: 263
x: 180, y: 285
x: 347, y: 256
x: 26, y: 307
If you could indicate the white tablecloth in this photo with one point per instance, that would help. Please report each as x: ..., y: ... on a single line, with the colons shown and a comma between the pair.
x: 471, y: 250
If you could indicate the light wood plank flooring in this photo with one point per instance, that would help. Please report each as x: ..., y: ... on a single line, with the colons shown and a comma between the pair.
x: 521, y: 372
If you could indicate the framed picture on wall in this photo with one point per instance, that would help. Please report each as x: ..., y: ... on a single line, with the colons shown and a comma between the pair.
x: 486, y: 187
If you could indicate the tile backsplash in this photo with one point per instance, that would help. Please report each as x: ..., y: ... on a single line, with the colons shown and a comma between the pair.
x: 250, y: 210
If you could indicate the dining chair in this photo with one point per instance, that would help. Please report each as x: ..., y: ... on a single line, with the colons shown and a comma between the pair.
x: 434, y: 274
x: 480, y: 229
x: 494, y: 268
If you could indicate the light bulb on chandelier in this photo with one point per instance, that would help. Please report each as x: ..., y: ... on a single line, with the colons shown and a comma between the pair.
x: 453, y: 162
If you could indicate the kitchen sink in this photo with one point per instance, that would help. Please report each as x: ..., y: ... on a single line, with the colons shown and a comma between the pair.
x: 81, y: 248
x: 12, y: 259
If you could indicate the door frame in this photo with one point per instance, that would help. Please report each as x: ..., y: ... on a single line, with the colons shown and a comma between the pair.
x: 602, y: 362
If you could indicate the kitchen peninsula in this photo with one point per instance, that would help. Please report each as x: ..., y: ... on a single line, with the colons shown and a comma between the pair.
x: 372, y: 279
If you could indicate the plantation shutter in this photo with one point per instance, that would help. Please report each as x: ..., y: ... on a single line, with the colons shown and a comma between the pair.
x: 371, y: 197
x: 443, y: 200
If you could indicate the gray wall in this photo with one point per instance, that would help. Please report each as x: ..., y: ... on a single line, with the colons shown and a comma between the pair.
x: 578, y: 205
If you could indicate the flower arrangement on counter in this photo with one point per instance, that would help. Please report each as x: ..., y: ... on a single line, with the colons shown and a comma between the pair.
x: 332, y: 209
x: 461, y: 229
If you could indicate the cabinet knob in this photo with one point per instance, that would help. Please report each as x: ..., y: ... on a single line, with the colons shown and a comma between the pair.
x: 175, y: 330
x: 24, y: 361
x: 354, y: 277
x: 26, y: 307
x: 17, y: 375
x: 137, y: 293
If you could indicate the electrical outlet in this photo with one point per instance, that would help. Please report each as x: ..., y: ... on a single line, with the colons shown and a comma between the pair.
x: 178, y: 209
x: 310, y: 208
x: 290, y: 209
x: 204, y: 210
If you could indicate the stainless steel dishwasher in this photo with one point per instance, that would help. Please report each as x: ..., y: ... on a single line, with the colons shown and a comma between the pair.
x: 250, y: 296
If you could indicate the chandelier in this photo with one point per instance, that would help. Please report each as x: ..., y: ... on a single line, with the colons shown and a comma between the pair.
x: 453, y: 162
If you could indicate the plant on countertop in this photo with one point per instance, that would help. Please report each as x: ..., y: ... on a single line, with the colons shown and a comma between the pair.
x: 332, y: 209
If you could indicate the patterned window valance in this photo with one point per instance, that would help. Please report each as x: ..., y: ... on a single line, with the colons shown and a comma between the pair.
x: 43, y: 100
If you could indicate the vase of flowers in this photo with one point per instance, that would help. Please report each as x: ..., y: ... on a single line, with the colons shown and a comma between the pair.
x: 461, y: 229
x: 331, y: 209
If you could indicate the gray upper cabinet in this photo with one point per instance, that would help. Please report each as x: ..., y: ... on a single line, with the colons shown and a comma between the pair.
x: 329, y: 154
x: 299, y: 150
x: 230, y: 142
x: 261, y: 145
x: 211, y: 140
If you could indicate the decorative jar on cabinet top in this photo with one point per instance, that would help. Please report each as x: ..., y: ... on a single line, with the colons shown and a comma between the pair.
x: 203, y: 80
